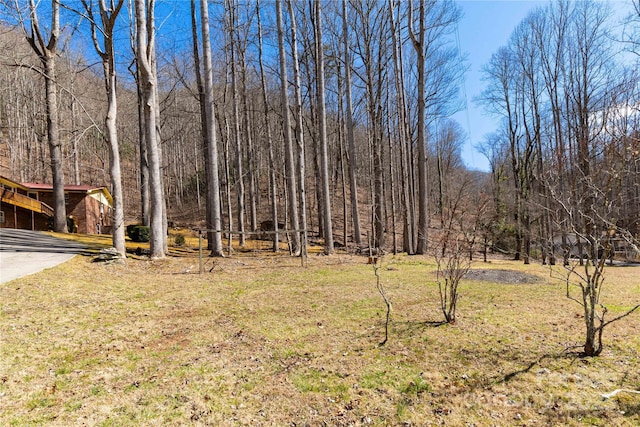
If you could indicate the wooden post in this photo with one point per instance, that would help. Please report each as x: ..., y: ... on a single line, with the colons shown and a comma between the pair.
x: 200, y: 249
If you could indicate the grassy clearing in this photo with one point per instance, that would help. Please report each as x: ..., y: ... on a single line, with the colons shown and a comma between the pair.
x: 266, y: 342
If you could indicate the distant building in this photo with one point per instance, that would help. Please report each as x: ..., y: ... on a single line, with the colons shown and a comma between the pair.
x: 29, y: 206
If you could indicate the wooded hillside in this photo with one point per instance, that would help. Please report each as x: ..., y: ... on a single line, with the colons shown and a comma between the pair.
x: 331, y: 118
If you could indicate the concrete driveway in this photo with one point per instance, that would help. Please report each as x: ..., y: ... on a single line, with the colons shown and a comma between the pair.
x: 24, y: 252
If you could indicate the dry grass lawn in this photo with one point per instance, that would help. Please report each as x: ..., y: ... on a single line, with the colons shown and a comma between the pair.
x: 264, y: 341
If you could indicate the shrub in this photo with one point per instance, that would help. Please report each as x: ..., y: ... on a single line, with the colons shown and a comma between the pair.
x: 179, y: 240
x: 138, y: 233
x: 130, y: 228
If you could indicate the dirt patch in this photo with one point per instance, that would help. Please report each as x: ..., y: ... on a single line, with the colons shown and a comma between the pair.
x: 502, y: 276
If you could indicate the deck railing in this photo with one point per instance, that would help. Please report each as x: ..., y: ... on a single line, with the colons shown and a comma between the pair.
x: 26, y: 202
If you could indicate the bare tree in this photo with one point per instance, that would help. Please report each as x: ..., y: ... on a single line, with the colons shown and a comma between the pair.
x: 105, y: 48
x: 501, y: 98
x: 197, y: 64
x: 143, y: 162
x: 322, y: 131
x: 272, y: 165
x: 241, y: 39
x: 439, y: 68
x: 376, y: 262
x: 632, y: 38
x: 448, y: 138
x: 551, y: 38
x: 419, y: 42
x: 214, y: 223
x: 73, y: 66
x: 403, y: 132
x: 592, y: 207
x: 588, y: 278
x: 588, y: 69
x: 527, y: 151
x: 371, y: 24
x: 452, y: 264
x: 451, y: 252
x: 145, y: 57
x: 299, y: 131
x: 47, y: 51
x: 288, y: 141
x: 239, y: 164
x: 353, y: 186
x: 22, y: 123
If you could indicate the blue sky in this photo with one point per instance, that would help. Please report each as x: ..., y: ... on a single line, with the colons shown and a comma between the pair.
x: 485, y: 26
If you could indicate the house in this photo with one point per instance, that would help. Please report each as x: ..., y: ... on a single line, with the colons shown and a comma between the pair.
x: 30, y: 206
x: 19, y: 208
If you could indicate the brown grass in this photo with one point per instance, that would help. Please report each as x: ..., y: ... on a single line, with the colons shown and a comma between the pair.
x: 263, y: 341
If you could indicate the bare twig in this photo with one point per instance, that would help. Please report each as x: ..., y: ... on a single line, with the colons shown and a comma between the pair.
x: 376, y: 268
x: 376, y: 262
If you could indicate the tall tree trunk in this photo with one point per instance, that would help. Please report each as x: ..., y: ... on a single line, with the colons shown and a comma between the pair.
x: 392, y: 185
x: 236, y: 125
x: 378, y: 182
x: 345, y: 214
x: 353, y: 186
x: 200, y: 147
x: 108, y: 19
x: 322, y: 131
x: 204, y: 128
x: 144, y: 15
x: 272, y: 165
x: 145, y: 197
x: 162, y: 204
x: 55, y: 148
x: 211, y: 143
x: 289, y: 156
x: 75, y: 150
x: 423, y: 207
x: 341, y: 154
x: 118, y: 229
x: 222, y: 119
x: 250, y: 149
x: 405, y: 166
x: 47, y: 52
x: 143, y: 164
x: 299, y: 132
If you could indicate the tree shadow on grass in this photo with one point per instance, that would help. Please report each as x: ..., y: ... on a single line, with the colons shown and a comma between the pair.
x: 410, y: 328
x: 403, y: 330
x: 511, y: 375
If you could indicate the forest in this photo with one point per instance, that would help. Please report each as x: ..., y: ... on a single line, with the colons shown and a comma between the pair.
x: 329, y: 120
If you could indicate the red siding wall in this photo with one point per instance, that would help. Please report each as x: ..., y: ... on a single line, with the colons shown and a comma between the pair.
x: 85, y: 209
